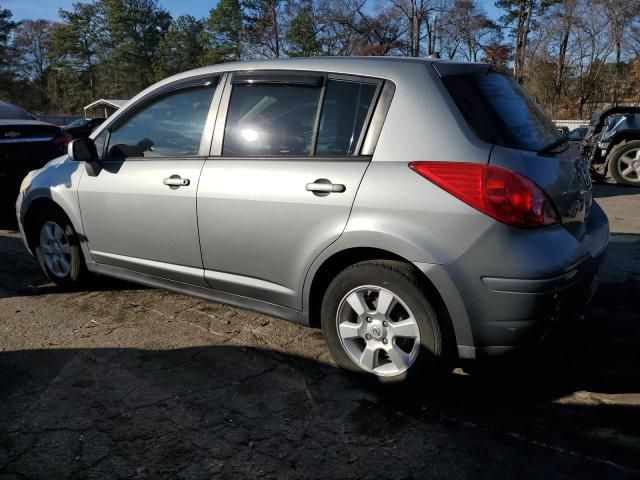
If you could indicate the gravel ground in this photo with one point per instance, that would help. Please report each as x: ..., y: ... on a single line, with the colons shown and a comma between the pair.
x: 129, y: 382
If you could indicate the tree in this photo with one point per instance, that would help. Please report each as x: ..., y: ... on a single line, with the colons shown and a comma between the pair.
x: 129, y: 47
x: 379, y: 33
x: 262, y: 18
x: 75, y: 42
x: 32, y: 41
x: 416, y: 14
x: 621, y: 15
x: 518, y: 16
x: 226, y: 31
x: 302, y: 37
x: 497, y: 53
x: 7, y: 53
x: 469, y: 30
x: 593, y: 48
x: 182, y: 48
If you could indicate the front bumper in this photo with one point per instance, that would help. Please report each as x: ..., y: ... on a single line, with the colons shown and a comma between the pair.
x: 513, y: 286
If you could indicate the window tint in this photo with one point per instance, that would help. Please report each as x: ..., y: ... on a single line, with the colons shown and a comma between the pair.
x: 499, y: 110
x: 170, y: 126
x: 577, y: 134
x: 81, y: 122
x: 270, y: 119
x: 344, y: 111
x: 11, y: 112
x: 100, y: 141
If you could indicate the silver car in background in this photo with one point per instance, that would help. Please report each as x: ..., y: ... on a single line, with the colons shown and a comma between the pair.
x: 418, y: 211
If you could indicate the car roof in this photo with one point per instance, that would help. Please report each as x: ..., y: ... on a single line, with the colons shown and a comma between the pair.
x: 380, y: 67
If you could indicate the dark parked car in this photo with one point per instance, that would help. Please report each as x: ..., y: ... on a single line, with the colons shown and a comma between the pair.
x: 612, y: 144
x: 83, y: 127
x: 25, y: 144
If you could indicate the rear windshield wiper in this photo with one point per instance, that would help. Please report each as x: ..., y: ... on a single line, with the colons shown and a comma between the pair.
x: 556, y: 143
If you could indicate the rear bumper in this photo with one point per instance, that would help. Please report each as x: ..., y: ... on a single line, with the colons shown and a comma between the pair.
x: 513, y: 286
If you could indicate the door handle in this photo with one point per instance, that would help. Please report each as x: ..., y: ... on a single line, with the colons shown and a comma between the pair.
x: 323, y: 187
x: 175, y: 181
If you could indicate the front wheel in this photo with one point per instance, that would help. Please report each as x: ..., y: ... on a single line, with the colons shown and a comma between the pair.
x: 624, y: 164
x: 379, y: 323
x: 58, y: 250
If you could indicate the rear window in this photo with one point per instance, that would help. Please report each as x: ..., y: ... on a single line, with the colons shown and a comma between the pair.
x: 11, y: 112
x: 500, y: 111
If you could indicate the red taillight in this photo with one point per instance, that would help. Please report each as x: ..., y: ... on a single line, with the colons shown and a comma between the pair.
x: 61, y: 140
x: 500, y: 193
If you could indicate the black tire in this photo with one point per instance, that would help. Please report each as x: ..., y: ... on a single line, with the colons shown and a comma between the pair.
x: 405, y: 283
x: 77, y: 272
x: 615, y: 165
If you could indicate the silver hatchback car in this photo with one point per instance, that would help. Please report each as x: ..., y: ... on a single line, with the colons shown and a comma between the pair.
x: 418, y: 211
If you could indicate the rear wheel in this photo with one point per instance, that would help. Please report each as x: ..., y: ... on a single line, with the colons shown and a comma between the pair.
x: 624, y: 163
x: 379, y: 323
x: 57, y: 248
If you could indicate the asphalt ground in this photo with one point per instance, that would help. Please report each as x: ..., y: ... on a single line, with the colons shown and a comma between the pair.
x: 123, y: 381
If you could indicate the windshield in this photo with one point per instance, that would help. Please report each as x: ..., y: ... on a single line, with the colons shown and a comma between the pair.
x: 81, y: 122
x: 577, y: 134
x: 500, y: 111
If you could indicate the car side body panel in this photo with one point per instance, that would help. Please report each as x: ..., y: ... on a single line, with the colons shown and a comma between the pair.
x: 56, y: 182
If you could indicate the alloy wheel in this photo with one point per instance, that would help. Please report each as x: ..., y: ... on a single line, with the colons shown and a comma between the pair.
x: 378, y: 330
x: 629, y: 165
x: 55, y: 248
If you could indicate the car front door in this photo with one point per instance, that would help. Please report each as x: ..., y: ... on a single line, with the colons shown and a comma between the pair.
x: 139, y: 210
x: 284, y: 172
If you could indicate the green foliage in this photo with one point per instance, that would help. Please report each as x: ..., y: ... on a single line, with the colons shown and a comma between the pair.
x: 225, y: 30
x: 302, y: 35
x: 182, y: 48
x: 7, y: 54
x: 567, y: 52
x: 263, y: 26
x: 129, y: 51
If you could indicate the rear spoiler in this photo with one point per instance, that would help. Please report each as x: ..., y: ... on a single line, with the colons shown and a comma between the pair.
x: 445, y: 68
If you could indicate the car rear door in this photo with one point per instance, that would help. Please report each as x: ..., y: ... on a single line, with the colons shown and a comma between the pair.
x: 139, y: 210
x: 287, y: 160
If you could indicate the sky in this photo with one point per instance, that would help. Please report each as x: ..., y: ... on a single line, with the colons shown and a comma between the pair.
x: 48, y: 9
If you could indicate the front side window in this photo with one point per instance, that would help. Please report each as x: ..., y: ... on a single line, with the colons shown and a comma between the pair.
x: 169, y: 126
x: 345, y: 109
x: 271, y: 119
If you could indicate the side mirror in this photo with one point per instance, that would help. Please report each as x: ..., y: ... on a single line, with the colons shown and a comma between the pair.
x: 83, y: 150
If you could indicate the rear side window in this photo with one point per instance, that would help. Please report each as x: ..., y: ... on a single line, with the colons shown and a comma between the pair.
x: 271, y: 119
x: 271, y: 115
x: 500, y: 111
x: 345, y: 109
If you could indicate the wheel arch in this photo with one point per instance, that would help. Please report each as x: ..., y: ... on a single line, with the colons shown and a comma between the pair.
x: 336, y: 262
x: 30, y: 217
x: 621, y: 137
